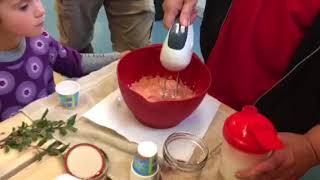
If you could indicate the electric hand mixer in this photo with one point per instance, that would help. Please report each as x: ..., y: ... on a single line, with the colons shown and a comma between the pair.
x: 176, y: 50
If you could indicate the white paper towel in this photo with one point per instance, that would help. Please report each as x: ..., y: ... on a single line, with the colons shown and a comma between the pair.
x: 113, y: 113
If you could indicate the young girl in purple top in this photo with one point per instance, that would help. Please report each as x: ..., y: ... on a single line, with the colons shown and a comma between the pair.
x: 28, y: 56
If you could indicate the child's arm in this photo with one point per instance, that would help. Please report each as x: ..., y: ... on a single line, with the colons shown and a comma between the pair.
x: 70, y: 63
x: 66, y: 61
x: 93, y: 62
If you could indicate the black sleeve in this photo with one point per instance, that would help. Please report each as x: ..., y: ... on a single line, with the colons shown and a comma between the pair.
x: 294, y: 104
x: 213, y: 17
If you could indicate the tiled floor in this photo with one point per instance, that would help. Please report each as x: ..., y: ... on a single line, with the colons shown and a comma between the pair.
x: 101, y: 43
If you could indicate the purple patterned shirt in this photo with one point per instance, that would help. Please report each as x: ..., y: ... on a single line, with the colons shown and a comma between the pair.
x: 31, y: 76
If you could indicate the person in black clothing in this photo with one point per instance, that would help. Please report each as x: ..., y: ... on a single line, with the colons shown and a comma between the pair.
x: 159, y: 10
x: 282, y: 39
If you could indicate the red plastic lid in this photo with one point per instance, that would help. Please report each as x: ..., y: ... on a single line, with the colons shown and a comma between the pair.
x: 251, y: 132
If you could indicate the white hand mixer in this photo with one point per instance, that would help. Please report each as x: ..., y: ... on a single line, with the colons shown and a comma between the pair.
x: 176, y: 51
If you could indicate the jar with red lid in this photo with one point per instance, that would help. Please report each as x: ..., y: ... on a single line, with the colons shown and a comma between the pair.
x: 249, y: 138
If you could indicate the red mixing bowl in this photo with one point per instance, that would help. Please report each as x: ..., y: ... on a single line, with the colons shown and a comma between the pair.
x: 164, y: 114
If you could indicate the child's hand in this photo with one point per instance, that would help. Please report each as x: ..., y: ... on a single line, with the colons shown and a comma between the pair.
x: 122, y: 54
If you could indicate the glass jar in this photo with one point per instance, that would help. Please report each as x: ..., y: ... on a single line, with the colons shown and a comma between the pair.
x: 184, y: 156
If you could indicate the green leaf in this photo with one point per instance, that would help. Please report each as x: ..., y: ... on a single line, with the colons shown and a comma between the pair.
x: 62, y: 131
x: 61, y: 123
x: 26, y: 141
x: 54, y: 123
x: 12, y: 142
x: 41, y: 124
x: 34, y: 136
x: 71, y: 121
x: 49, y: 130
x: 57, y: 124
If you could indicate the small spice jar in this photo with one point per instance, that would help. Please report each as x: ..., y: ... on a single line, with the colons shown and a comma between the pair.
x: 183, y: 164
x: 249, y: 138
x: 86, y: 161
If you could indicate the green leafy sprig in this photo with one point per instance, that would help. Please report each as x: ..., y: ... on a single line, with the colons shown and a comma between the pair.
x: 37, y: 134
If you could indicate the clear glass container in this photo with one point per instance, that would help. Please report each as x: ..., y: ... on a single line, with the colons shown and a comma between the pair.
x: 184, y: 156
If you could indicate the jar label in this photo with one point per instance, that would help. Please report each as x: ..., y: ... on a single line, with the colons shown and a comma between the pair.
x: 145, y: 166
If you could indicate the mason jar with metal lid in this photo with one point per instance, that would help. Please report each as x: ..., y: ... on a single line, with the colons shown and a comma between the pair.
x: 86, y: 161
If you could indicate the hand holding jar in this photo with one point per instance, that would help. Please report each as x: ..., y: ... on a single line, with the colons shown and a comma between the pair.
x: 249, y: 138
x: 289, y: 163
